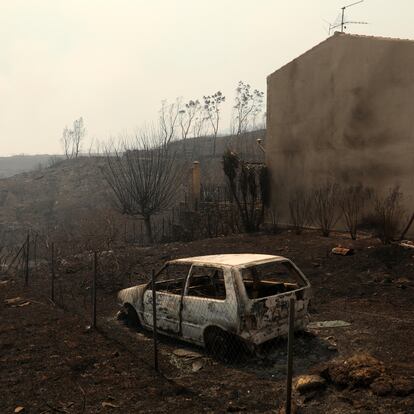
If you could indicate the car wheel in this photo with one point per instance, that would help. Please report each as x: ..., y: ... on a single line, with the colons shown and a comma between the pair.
x: 222, y: 345
x: 129, y: 316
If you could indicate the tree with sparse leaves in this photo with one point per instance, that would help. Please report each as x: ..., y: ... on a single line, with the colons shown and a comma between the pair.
x: 248, y: 106
x: 212, y: 104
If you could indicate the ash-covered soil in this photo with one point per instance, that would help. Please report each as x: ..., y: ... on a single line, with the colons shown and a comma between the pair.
x: 51, y: 363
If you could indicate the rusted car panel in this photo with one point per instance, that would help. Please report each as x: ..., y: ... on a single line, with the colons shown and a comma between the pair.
x: 245, y: 295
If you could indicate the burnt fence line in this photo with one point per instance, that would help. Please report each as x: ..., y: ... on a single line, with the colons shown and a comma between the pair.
x: 48, y: 281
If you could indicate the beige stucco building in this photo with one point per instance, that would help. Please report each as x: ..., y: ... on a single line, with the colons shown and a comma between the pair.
x: 343, y: 111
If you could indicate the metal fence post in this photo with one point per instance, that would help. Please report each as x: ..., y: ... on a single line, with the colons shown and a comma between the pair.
x: 95, y: 271
x: 52, y: 287
x: 290, y: 356
x: 35, y: 251
x: 26, y: 279
x: 154, y: 320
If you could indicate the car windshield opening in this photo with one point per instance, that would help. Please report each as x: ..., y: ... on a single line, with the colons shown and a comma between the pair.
x: 172, y: 278
x: 207, y: 282
x: 270, y: 279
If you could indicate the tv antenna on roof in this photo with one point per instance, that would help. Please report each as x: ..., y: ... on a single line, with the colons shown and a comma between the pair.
x: 343, y: 21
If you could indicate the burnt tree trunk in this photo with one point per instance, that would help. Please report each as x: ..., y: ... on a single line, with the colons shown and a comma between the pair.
x: 148, y: 229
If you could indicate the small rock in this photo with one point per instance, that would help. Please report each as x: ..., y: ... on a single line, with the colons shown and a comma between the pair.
x: 197, y: 365
x: 19, y: 409
x: 306, y: 383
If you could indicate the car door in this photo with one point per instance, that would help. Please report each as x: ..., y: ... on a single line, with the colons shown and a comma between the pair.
x: 208, y: 300
x: 169, y: 288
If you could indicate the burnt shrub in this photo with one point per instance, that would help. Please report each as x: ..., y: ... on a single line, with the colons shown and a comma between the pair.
x: 388, y: 215
x: 325, y: 207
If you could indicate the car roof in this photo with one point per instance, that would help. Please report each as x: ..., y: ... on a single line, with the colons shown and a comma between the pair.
x: 229, y: 259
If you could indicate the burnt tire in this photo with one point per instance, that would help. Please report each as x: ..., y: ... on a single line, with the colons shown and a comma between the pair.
x: 222, y: 345
x: 129, y: 317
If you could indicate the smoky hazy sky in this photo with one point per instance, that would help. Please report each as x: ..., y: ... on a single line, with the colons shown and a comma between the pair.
x: 113, y: 61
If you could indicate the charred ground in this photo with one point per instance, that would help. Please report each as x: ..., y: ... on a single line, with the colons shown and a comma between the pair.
x: 50, y: 363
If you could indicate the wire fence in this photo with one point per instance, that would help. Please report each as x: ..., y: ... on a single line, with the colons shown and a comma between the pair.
x: 176, y: 301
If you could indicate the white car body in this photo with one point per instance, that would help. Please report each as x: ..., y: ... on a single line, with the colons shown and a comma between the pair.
x: 181, y: 314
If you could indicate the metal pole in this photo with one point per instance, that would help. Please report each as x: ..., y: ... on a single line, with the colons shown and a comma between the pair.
x: 52, y: 290
x: 154, y: 320
x: 26, y: 279
x: 35, y: 251
x: 95, y: 271
x: 342, y: 21
x: 290, y: 356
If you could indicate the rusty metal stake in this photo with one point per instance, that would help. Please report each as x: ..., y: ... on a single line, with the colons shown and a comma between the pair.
x: 290, y: 356
x: 52, y: 287
x: 154, y: 320
x: 95, y: 271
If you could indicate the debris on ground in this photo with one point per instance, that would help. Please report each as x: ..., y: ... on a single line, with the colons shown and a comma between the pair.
x: 408, y: 244
x: 187, y: 360
x: 360, y: 370
x: 343, y: 251
x: 16, y: 302
x: 328, y: 324
x: 365, y: 371
x: 106, y: 404
x: 307, y: 383
x: 186, y: 353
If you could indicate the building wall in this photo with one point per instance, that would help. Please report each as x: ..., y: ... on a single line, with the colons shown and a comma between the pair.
x: 344, y: 111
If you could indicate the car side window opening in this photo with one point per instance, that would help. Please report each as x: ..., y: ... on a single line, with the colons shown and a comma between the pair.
x: 270, y: 279
x: 172, y: 278
x: 206, y: 282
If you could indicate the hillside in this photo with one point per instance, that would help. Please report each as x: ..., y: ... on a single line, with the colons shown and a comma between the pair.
x: 70, y: 195
x: 51, y: 198
x: 17, y: 164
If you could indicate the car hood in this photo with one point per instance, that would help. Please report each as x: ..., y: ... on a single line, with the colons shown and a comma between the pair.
x: 131, y: 295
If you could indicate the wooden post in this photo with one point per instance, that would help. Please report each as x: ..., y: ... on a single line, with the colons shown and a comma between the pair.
x: 26, y: 279
x: 52, y: 287
x: 154, y: 320
x: 290, y: 356
x: 95, y: 271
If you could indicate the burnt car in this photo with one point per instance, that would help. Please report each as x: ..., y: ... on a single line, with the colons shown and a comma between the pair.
x: 221, y: 300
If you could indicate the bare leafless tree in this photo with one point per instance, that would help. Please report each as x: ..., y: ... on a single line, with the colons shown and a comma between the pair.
x: 326, y: 212
x: 299, y: 209
x: 72, y: 138
x: 144, y: 175
x: 212, y: 104
x: 199, y: 125
x: 169, y: 116
x: 352, y: 201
